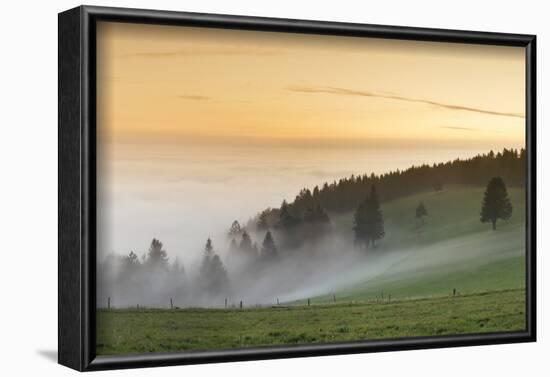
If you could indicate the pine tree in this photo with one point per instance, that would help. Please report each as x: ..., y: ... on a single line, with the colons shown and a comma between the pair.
x: 262, y: 223
x: 132, y: 259
x: 157, y: 256
x: 269, y: 250
x: 235, y: 229
x: 246, y: 246
x: 496, y: 204
x: 421, y: 211
x: 286, y: 220
x: 375, y: 216
x: 213, y: 275
x: 208, y: 248
x: 368, y: 220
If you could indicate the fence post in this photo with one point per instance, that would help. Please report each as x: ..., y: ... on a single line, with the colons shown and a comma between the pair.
x: 108, y: 302
x: 334, y: 298
x: 241, y: 304
x: 171, y: 303
x: 308, y: 302
x: 225, y: 303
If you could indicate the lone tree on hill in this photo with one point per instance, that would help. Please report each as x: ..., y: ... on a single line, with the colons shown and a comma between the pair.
x: 269, y: 250
x: 496, y: 204
x: 368, y: 220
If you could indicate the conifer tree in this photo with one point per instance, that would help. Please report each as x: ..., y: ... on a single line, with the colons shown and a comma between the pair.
x: 368, y: 220
x: 496, y: 204
x: 269, y: 250
x: 246, y: 246
x: 157, y: 256
x: 421, y: 212
x: 213, y: 274
x: 235, y: 229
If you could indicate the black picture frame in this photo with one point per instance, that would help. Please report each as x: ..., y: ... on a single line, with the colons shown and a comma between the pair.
x: 77, y: 184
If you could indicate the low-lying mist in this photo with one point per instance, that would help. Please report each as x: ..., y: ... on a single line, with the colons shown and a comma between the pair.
x: 328, y: 265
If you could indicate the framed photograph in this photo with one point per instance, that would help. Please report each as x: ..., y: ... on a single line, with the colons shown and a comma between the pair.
x: 239, y: 188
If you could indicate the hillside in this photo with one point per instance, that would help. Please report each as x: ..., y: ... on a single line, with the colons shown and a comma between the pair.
x: 454, y: 250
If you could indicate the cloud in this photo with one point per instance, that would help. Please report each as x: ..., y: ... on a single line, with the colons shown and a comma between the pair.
x: 194, y: 97
x: 362, y: 93
x: 459, y: 128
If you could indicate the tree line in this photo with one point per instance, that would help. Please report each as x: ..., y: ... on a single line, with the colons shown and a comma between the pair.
x: 346, y: 194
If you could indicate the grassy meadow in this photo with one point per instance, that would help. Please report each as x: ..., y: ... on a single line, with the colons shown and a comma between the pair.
x: 454, y: 251
x: 139, y: 331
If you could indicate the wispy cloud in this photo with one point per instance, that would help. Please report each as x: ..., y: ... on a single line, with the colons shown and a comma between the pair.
x: 193, y: 97
x: 194, y: 52
x: 362, y: 93
x: 459, y: 128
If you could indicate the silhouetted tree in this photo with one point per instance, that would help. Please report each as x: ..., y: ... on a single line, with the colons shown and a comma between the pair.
x: 286, y: 220
x: 269, y: 250
x: 496, y: 204
x: 157, y: 256
x: 208, y: 248
x: 234, y: 230
x: 368, y: 220
x: 131, y: 259
x: 421, y: 211
x: 213, y: 275
x: 263, y: 224
x: 246, y: 246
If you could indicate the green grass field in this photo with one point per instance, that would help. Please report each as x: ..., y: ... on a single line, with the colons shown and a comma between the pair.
x: 454, y: 251
x: 140, y: 331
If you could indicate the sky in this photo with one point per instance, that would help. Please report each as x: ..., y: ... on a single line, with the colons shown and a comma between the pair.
x: 197, y: 127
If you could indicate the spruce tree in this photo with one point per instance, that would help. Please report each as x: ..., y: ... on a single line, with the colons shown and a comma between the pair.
x: 269, y: 250
x: 157, y: 256
x: 496, y: 204
x: 213, y: 275
x: 262, y: 224
x: 286, y: 220
x: 421, y: 211
x: 246, y: 246
x: 235, y: 229
x: 368, y: 220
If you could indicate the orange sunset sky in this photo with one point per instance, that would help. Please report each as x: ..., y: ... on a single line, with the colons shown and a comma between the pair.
x: 207, y: 85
